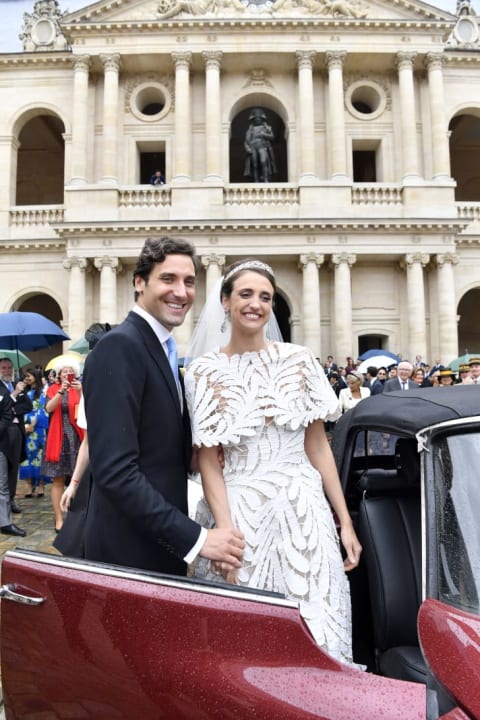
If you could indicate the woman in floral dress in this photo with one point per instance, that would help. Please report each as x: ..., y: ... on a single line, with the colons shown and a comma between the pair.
x: 36, y: 426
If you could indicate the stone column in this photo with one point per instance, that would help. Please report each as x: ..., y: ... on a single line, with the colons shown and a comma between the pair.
x: 343, y: 305
x: 111, y: 64
x: 310, y: 265
x: 78, y: 175
x: 213, y: 124
x: 417, y: 327
x: 183, y: 117
x: 77, y: 267
x: 447, y: 307
x: 306, y: 122
x: 440, y: 145
x: 405, y: 62
x: 336, y: 116
x: 108, y: 267
x: 213, y: 265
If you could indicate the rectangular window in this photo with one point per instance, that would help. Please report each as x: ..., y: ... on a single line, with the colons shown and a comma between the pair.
x: 366, y: 161
x: 151, y: 157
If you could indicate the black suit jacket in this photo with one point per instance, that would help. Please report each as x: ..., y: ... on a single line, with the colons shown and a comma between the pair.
x: 20, y: 407
x: 6, y: 417
x: 395, y: 384
x: 140, y: 451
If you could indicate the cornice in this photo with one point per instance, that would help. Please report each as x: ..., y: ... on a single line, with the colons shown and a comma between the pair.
x: 47, y: 59
x: 320, y: 226
x: 32, y: 245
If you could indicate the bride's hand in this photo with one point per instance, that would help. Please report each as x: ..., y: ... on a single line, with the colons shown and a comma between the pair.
x: 226, y: 571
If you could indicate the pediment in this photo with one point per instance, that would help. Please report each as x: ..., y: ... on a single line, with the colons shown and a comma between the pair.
x: 139, y: 11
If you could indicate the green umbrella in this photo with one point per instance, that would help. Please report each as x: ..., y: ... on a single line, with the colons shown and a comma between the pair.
x: 80, y: 346
x: 462, y: 360
x: 17, y: 357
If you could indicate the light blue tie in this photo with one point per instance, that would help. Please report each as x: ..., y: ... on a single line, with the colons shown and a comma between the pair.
x: 9, y: 386
x: 172, y: 355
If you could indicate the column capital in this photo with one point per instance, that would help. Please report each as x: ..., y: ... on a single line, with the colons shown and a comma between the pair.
x: 111, y: 62
x: 348, y: 258
x: 413, y: 258
x: 182, y: 58
x: 308, y: 258
x: 434, y: 61
x: 78, y: 262
x: 335, y: 58
x: 446, y: 258
x: 82, y: 62
x: 212, y: 58
x: 305, y: 58
x: 213, y: 259
x: 111, y: 262
x: 405, y: 60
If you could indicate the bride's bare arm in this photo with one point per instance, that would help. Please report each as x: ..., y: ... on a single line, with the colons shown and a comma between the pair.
x: 320, y: 455
x: 213, y: 483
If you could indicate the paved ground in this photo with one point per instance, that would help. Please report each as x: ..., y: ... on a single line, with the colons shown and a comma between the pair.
x: 38, y: 521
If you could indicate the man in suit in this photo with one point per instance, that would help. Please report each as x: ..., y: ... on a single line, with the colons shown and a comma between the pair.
x: 139, y: 431
x: 6, y: 418
x: 403, y: 380
x: 22, y: 404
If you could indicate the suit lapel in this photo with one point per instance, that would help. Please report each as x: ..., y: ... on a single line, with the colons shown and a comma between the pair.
x: 157, y: 353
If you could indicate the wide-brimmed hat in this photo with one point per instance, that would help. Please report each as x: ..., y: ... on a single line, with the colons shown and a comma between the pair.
x: 474, y: 361
x: 446, y: 372
x: 465, y: 367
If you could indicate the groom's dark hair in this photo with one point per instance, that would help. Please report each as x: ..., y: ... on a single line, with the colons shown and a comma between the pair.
x: 155, y: 250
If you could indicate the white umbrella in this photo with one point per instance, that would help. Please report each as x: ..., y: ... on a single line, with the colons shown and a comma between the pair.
x: 376, y: 361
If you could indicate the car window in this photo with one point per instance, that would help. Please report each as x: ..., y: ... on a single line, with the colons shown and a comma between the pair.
x: 457, y: 508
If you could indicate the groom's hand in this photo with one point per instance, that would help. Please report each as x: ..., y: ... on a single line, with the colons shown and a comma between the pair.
x: 224, y: 545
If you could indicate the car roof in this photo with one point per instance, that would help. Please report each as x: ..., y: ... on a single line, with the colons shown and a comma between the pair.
x: 406, y: 413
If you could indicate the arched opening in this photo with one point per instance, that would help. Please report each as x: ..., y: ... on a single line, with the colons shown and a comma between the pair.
x: 282, y: 313
x: 238, y: 153
x: 372, y: 342
x: 468, y: 327
x: 41, y: 162
x: 465, y: 156
x: 49, y: 308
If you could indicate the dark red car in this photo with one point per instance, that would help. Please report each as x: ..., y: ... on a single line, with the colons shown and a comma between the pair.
x: 85, y: 640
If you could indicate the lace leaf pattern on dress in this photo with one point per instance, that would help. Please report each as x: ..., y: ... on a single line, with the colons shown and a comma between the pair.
x: 229, y: 397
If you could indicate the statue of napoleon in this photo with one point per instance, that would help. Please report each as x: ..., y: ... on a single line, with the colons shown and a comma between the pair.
x: 258, y: 143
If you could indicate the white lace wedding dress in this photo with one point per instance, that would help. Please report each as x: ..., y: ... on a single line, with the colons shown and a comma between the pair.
x: 257, y: 406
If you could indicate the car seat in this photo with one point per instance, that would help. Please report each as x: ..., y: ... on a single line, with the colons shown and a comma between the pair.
x: 389, y: 529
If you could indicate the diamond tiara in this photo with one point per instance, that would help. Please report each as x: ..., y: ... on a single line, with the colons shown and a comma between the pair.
x: 248, y: 265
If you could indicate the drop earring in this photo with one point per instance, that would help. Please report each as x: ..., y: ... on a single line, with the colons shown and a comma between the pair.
x: 226, y: 319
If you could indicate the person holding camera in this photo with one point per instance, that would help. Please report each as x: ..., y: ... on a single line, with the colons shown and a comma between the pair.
x: 64, y: 434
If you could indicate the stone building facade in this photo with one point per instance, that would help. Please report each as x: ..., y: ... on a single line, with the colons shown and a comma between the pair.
x: 371, y: 221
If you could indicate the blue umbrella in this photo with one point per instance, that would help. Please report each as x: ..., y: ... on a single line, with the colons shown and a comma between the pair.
x: 372, y: 353
x: 28, y: 331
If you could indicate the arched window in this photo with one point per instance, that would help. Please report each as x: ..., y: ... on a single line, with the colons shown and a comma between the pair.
x: 465, y: 156
x: 238, y: 154
x: 41, y: 162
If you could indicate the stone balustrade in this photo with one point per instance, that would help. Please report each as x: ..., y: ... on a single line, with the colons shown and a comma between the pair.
x: 140, y: 196
x: 376, y: 194
x: 261, y: 194
x: 34, y: 215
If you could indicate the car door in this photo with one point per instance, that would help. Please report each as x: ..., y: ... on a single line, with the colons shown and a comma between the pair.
x: 449, y: 618
x: 86, y: 640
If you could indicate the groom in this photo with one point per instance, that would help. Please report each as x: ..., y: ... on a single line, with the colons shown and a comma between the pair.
x: 139, y: 431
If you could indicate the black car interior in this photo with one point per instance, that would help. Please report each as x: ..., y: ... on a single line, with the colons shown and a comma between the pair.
x: 386, y: 587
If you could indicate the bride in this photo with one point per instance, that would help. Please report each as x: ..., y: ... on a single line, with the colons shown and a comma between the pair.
x: 257, y: 409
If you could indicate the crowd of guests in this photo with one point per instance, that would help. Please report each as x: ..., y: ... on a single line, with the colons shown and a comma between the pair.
x: 351, y: 386
x: 39, y: 436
